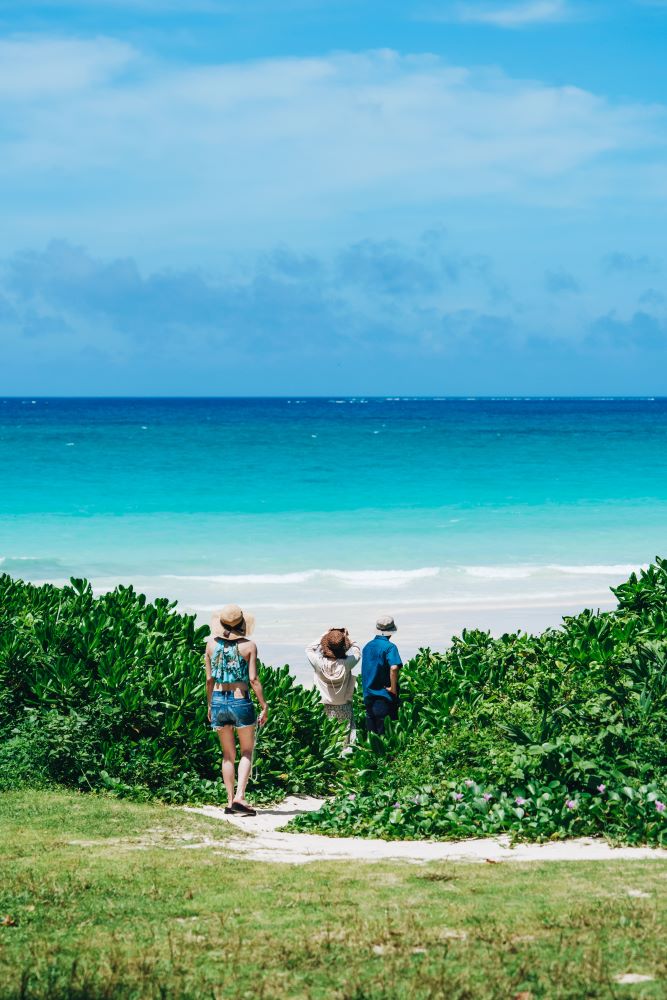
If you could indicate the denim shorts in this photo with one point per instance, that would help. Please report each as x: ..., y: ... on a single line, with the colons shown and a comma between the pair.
x: 226, y: 710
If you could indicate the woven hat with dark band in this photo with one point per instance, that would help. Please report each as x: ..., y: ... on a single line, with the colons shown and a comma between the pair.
x: 234, y: 620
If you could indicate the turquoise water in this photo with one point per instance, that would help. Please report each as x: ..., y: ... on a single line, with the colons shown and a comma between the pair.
x: 277, y: 486
x: 449, y: 513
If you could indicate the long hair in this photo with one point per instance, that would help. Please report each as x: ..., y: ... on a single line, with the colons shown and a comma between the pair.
x: 335, y: 643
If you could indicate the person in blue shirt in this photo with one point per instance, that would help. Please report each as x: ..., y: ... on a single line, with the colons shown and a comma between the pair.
x: 380, y: 663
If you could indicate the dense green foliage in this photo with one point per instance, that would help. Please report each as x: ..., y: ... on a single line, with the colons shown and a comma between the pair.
x: 538, y: 736
x: 109, y: 691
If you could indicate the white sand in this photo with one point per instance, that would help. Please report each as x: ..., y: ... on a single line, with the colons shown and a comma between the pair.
x: 428, y: 610
x: 262, y: 840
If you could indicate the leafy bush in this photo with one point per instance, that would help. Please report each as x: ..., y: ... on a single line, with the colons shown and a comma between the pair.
x: 547, y: 718
x: 19, y: 767
x: 634, y: 814
x: 109, y: 692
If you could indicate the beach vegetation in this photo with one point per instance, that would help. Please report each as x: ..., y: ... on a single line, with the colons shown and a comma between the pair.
x: 537, y: 736
x: 108, y: 692
x: 560, y: 734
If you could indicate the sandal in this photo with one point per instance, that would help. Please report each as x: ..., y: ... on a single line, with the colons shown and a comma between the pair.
x: 228, y: 810
x: 238, y: 807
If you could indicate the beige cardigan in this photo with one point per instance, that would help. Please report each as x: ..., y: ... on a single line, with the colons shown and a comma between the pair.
x: 333, y: 692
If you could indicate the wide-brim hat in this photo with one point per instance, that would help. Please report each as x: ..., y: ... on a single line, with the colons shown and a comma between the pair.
x: 232, y: 619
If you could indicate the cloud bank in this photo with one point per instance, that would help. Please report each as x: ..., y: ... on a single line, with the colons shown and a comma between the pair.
x: 100, y: 134
x: 303, y: 217
x: 294, y: 322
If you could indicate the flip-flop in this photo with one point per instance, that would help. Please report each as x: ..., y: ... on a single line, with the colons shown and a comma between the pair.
x: 238, y: 807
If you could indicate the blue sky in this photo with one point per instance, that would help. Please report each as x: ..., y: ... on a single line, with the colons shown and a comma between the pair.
x: 322, y: 196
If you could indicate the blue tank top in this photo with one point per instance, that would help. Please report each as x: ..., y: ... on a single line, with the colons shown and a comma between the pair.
x: 227, y: 664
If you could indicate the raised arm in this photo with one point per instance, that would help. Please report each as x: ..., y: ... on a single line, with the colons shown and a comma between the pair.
x: 256, y: 684
x: 353, y: 656
x: 313, y: 653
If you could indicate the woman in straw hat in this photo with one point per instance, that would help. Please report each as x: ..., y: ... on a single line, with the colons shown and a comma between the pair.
x: 231, y: 670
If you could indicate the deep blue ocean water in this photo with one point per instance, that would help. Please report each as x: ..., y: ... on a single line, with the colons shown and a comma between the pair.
x: 274, y: 486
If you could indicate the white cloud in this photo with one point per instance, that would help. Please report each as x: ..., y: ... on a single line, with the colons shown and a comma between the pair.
x: 260, y: 147
x: 519, y: 15
x: 37, y: 68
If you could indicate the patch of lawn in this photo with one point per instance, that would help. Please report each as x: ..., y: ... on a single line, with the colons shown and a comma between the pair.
x: 113, y: 900
x: 32, y: 820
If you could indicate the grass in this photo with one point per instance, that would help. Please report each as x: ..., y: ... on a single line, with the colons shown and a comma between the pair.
x: 111, y: 900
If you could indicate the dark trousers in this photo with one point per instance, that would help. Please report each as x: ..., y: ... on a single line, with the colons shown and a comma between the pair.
x: 377, y: 710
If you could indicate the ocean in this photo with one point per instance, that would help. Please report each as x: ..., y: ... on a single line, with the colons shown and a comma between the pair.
x: 448, y: 513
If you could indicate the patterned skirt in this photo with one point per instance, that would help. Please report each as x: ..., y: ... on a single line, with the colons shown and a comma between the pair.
x: 344, y: 714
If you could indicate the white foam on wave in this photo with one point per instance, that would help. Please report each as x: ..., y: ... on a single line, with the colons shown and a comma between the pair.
x: 350, y: 578
x: 522, y: 572
x: 240, y: 578
x: 393, y: 578
x: 613, y: 569
x: 500, y: 572
x: 29, y: 559
x: 382, y: 577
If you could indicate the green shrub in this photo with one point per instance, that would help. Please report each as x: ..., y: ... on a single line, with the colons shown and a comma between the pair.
x: 109, y: 692
x: 635, y: 814
x: 575, y: 708
x: 20, y: 766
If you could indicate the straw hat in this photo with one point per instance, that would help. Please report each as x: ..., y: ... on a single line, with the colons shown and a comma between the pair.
x: 234, y: 620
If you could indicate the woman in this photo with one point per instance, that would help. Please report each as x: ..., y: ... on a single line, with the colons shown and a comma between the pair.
x: 231, y: 669
x: 333, y: 659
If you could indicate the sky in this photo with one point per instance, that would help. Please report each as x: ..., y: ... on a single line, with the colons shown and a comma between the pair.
x: 277, y: 197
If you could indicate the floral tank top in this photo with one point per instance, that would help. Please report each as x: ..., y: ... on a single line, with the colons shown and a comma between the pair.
x: 227, y: 664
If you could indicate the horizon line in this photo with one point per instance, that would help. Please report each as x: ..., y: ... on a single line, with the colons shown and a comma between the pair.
x: 408, y: 397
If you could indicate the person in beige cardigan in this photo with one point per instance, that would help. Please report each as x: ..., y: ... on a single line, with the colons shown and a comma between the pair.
x: 333, y: 659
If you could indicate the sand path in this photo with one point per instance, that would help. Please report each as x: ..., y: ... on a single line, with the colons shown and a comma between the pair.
x: 264, y: 841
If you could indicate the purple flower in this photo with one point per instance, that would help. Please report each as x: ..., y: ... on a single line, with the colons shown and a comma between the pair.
x: 458, y: 796
x: 468, y: 783
x: 486, y: 796
x: 660, y: 806
x: 519, y: 801
x: 351, y: 797
x: 570, y: 804
x: 602, y: 789
x: 397, y: 805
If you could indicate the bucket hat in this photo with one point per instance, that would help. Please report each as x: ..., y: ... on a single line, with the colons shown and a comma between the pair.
x: 385, y: 623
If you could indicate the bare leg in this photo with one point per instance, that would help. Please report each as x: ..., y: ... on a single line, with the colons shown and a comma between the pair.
x: 228, y: 744
x: 352, y: 736
x: 247, y: 744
